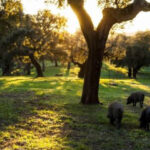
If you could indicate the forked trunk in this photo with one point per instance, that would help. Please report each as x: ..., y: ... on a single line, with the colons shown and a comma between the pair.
x: 96, y: 45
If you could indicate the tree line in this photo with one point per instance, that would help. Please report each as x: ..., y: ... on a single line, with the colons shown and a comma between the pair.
x: 28, y: 39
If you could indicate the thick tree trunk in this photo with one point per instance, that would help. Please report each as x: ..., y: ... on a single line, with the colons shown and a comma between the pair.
x: 134, y: 73
x: 36, y: 65
x: 91, y: 79
x: 96, y: 45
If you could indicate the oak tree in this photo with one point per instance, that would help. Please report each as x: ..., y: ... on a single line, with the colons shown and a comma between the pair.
x: 133, y: 52
x: 114, y: 11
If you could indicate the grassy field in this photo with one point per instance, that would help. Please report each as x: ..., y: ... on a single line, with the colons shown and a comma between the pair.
x: 45, y: 114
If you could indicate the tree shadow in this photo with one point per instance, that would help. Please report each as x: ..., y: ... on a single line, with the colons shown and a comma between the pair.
x: 48, y: 111
x: 13, y: 106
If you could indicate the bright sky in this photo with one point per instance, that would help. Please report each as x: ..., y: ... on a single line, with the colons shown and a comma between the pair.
x: 140, y: 23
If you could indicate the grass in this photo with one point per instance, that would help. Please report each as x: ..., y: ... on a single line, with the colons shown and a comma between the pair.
x: 45, y: 114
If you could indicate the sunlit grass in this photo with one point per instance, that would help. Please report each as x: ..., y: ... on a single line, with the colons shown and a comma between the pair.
x: 116, y: 69
x: 44, y: 113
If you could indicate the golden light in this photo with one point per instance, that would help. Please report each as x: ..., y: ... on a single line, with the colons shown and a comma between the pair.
x: 140, y: 23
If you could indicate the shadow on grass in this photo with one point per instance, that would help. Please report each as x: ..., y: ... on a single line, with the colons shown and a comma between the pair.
x: 26, y: 113
x: 2, y: 82
x: 13, y: 106
x: 68, y: 126
x: 45, y: 113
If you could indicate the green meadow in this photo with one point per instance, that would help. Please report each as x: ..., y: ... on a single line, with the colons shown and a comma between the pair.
x: 46, y: 114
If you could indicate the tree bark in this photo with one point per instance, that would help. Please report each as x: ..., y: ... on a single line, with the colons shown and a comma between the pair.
x: 36, y: 65
x: 130, y: 72
x: 92, y: 74
x: 96, y: 40
x: 94, y: 62
x: 91, y: 82
x: 135, y: 71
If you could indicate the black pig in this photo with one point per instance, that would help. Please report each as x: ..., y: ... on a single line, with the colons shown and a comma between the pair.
x: 145, y: 118
x: 136, y: 97
x: 115, y: 113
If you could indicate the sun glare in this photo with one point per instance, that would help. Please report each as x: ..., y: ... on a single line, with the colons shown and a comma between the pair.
x: 140, y: 23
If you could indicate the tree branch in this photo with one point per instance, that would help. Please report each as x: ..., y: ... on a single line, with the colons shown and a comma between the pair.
x: 25, y: 51
x: 75, y: 62
x: 118, y: 15
x: 85, y: 21
x: 127, y: 13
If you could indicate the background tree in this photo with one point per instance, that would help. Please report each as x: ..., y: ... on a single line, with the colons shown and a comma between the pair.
x: 134, y: 53
x: 77, y: 51
x: 51, y: 27
x: 9, y: 22
x: 38, y: 36
x: 9, y: 49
